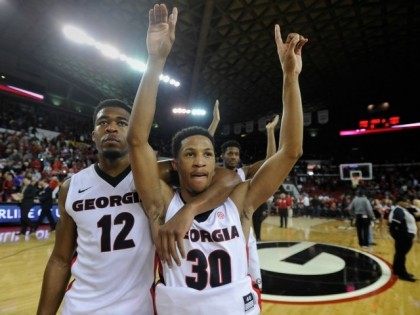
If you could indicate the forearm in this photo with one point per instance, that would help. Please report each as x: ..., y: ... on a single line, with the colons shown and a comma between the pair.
x: 222, y: 185
x: 144, y: 166
x: 271, y: 143
x: 145, y: 103
x: 213, y: 127
x: 56, y: 277
x: 291, y: 131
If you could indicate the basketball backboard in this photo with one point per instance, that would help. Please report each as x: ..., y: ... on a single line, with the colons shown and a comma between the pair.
x: 362, y: 170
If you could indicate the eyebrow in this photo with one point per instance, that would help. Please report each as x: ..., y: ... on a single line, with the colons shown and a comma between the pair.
x: 107, y: 117
x: 194, y: 149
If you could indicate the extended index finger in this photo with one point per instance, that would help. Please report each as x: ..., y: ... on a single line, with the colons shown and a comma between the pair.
x: 216, y: 104
x: 277, y: 35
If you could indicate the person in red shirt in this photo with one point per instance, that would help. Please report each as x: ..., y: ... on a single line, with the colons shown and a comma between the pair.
x: 8, y: 187
x: 282, y: 206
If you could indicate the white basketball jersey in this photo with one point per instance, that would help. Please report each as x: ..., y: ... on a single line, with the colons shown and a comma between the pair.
x: 215, y: 249
x: 236, y: 298
x: 254, y: 261
x: 216, y: 259
x: 241, y: 173
x: 113, y: 270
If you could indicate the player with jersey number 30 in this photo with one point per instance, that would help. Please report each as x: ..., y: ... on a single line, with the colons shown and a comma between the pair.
x: 213, y: 273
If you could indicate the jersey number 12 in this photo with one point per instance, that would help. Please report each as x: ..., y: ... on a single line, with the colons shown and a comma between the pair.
x: 121, y: 241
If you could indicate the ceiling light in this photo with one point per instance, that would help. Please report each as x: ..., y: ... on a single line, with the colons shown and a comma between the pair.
x: 81, y: 37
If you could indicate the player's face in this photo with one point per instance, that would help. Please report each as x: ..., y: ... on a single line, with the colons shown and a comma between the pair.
x: 110, y: 132
x: 195, y: 163
x: 231, y: 157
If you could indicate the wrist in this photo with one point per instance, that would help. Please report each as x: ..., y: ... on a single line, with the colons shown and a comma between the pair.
x: 291, y: 76
x: 155, y: 61
x: 190, y: 209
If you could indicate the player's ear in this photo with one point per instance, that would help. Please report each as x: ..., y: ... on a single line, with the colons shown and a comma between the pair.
x: 174, y: 163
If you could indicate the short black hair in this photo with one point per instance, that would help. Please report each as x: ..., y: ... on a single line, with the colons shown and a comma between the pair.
x: 112, y: 102
x: 230, y: 143
x: 188, y: 132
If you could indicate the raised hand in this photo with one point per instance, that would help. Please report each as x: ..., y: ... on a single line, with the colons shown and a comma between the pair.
x: 216, y: 113
x: 272, y: 124
x: 216, y: 119
x: 161, y: 32
x: 290, y: 52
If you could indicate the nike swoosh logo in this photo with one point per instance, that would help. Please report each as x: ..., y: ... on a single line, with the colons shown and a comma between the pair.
x: 82, y: 190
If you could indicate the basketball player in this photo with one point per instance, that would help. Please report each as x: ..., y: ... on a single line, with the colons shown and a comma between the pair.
x: 231, y: 159
x: 213, y: 277
x: 100, y: 215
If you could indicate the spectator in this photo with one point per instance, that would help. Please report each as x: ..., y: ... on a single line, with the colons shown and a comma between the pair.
x: 403, y: 229
x: 26, y: 198
x: 46, y: 200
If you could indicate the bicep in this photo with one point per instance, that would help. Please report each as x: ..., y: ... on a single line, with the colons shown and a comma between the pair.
x: 145, y: 172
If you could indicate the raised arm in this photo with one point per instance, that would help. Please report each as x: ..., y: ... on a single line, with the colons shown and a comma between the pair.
x: 153, y: 192
x: 57, y: 273
x: 271, y: 140
x: 216, y: 119
x: 271, y: 149
x: 273, y: 172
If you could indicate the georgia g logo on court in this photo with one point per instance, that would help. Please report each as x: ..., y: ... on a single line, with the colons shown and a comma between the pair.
x: 306, y: 272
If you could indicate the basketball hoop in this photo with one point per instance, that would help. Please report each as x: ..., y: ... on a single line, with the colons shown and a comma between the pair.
x: 355, y: 181
x: 355, y: 177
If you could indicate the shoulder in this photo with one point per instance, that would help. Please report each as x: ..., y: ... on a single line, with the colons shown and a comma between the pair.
x: 64, y: 188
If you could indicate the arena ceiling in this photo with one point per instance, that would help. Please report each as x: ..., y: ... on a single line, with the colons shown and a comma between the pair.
x: 360, y: 52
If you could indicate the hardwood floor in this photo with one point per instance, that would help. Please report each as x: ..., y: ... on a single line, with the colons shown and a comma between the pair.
x: 22, y: 264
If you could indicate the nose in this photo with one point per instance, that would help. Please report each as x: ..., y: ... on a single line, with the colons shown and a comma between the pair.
x: 199, y: 161
x: 111, y: 127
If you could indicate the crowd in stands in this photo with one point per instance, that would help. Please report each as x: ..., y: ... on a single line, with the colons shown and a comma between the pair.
x: 24, y: 153
x: 329, y: 197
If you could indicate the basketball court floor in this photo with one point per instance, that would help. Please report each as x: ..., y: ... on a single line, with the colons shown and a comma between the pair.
x: 315, y: 266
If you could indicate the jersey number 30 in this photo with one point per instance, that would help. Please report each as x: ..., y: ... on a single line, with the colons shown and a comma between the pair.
x: 121, y: 241
x: 219, y: 271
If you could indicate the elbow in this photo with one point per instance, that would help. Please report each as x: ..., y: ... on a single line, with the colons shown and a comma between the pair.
x: 293, y: 153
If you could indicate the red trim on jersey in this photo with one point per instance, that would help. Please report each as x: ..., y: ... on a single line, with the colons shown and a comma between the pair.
x: 73, y: 260
x: 157, y: 272
x: 70, y: 285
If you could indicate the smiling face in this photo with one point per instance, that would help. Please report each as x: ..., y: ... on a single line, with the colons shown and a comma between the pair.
x: 110, y: 132
x: 195, y: 163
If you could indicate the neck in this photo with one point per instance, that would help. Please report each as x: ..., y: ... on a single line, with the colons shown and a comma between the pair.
x: 113, y: 167
x: 186, y: 195
x: 230, y: 168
